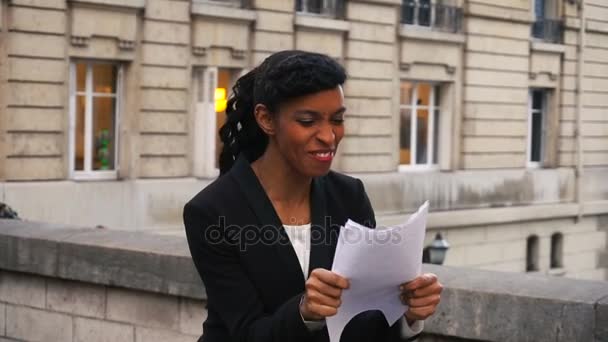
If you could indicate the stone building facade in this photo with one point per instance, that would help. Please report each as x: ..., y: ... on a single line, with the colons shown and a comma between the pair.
x: 495, y: 111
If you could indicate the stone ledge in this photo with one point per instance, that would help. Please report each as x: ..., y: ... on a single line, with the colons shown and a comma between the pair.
x: 417, y: 33
x: 138, y: 261
x: 138, y: 4
x: 501, y: 13
x: 547, y: 47
x: 223, y: 12
x: 320, y: 23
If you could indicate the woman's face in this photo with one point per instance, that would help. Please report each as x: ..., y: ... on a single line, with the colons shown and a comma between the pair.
x: 308, y: 130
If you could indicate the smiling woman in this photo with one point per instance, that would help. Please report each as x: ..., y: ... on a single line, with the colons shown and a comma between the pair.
x: 263, y: 235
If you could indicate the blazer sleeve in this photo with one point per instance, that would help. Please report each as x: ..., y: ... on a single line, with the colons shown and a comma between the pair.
x: 230, y: 292
x: 369, y: 218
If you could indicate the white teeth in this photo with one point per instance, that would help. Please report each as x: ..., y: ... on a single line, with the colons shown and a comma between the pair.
x: 325, y: 154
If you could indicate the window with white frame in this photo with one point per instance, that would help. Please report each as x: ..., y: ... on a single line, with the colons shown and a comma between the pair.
x: 441, y: 15
x: 213, y: 87
x: 419, y: 124
x: 536, y: 126
x: 326, y: 8
x: 95, y: 89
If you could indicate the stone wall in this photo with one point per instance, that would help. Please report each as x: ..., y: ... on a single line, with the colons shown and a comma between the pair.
x: 61, y: 283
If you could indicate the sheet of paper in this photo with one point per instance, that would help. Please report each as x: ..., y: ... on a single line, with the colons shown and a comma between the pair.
x: 377, y: 261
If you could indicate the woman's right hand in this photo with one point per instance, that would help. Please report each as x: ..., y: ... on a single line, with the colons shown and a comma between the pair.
x: 322, y: 296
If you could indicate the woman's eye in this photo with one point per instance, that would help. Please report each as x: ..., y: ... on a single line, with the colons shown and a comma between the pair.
x: 306, y: 122
x: 338, y: 121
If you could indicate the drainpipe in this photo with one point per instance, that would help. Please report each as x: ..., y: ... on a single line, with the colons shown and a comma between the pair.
x: 579, y: 109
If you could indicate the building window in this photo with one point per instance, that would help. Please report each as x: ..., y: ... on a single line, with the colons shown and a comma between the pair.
x: 557, y: 250
x: 94, y: 108
x: 536, y: 126
x: 419, y: 124
x: 547, y: 26
x: 213, y: 88
x: 532, y: 254
x: 438, y: 15
x: 325, y: 8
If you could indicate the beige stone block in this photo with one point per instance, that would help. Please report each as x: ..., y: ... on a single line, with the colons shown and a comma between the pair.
x: 367, y: 163
x: 497, y: 62
x: 495, y: 111
x: 102, y: 48
x: 497, y: 28
x: 493, y: 95
x: 272, y: 41
x: 568, y: 98
x: 29, y: 324
x: 514, y: 250
x: 168, y: 10
x: 599, y: 144
x: 369, y: 88
x: 22, y: 289
x: 164, y: 99
x: 370, y: 51
x: 274, y: 21
x: 36, y: 94
x: 367, y: 12
x: 329, y: 43
x: 493, y: 161
x: 567, y: 144
x: 584, y: 242
x: 481, y: 254
x: 60, y: 4
x: 545, y: 62
x: 496, y: 78
x: 594, y: 114
x: 494, y: 144
x: 568, y: 83
x: 495, y: 128
x: 498, y: 45
x: 369, y: 126
x: 160, y: 335
x: 41, y: 168
x: 368, y: 107
x: 580, y: 261
x: 35, y: 119
x: 362, y: 144
x: 566, y: 159
x: 595, y: 84
x: 518, y: 4
x: 91, y: 330
x: 592, y: 39
x: 504, y: 233
x: 369, y: 69
x: 426, y: 52
x: 595, y: 129
x: 372, y: 32
x: 595, y: 99
x: 192, y: 314
x: 597, y: 12
x: 455, y: 256
x: 224, y: 33
x: 157, y: 144
x: 281, y: 6
x: 141, y: 308
x: 163, y: 122
x: 159, y: 77
x: 165, y: 32
x: 595, y: 158
x: 76, y: 298
x: 158, y: 54
x: 28, y: 69
x: 37, y: 20
x: 88, y: 22
x: 36, y: 45
x: 34, y: 144
x: 466, y: 236
x: 164, y: 167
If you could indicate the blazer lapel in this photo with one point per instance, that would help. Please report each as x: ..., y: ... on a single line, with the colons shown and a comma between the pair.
x: 324, y: 235
x: 267, y: 217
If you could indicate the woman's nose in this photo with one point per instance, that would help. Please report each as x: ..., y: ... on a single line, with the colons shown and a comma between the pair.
x: 327, y: 135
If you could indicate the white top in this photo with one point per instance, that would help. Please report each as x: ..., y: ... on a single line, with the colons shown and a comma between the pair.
x: 299, y: 236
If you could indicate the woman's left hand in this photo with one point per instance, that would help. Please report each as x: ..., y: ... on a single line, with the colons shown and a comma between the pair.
x: 421, y: 295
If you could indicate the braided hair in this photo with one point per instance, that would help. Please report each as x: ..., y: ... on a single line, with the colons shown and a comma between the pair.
x: 280, y: 77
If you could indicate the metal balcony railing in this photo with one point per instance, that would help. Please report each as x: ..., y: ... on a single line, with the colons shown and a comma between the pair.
x: 548, y: 30
x: 435, y: 16
x: 325, y: 8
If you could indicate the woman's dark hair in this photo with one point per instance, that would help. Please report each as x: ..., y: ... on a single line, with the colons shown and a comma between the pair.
x: 282, y: 76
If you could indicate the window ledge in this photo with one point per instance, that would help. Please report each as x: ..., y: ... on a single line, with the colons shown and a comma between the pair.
x: 557, y: 272
x: 422, y: 33
x: 118, y: 3
x: 95, y: 175
x: 547, y: 47
x: 318, y: 22
x: 224, y: 12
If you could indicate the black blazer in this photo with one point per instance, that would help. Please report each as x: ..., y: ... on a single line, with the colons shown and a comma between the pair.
x: 251, y: 273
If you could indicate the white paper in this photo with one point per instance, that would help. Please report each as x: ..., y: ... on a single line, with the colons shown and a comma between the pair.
x: 376, y: 262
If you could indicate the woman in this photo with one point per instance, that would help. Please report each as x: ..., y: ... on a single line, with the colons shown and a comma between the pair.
x: 263, y: 235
